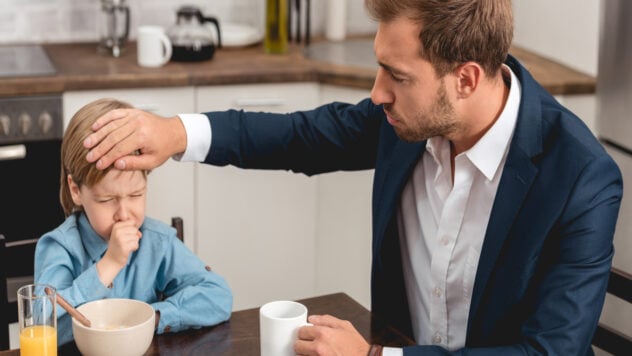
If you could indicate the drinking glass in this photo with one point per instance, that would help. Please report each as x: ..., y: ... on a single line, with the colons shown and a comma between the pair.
x: 37, y: 319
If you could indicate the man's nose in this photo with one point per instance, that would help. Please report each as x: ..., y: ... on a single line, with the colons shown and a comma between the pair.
x: 381, y: 92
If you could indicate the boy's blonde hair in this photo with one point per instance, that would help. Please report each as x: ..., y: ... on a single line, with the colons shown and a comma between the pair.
x: 73, y: 153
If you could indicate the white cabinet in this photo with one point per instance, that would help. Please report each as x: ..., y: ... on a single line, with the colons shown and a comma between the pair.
x: 257, y: 228
x: 170, y: 187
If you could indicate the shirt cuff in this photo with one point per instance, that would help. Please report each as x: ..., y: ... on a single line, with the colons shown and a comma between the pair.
x: 168, y: 317
x: 392, y: 351
x: 198, y: 130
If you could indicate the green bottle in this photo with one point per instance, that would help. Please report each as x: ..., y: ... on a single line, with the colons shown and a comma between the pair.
x: 275, y: 40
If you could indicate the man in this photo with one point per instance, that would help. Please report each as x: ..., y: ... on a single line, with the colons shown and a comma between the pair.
x: 494, y: 207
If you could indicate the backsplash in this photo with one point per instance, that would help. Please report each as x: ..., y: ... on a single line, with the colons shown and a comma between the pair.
x: 52, y: 21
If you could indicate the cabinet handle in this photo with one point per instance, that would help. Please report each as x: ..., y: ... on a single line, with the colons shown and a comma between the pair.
x: 8, y: 153
x: 259, y: 102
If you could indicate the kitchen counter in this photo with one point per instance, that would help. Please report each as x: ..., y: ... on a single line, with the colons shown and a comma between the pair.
x: 80, y: 67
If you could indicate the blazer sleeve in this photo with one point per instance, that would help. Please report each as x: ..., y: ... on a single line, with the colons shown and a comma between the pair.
x: 336, y: 136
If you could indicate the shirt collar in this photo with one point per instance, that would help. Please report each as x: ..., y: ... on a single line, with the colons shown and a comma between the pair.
x: 94, y: 244
x: 488, y: 153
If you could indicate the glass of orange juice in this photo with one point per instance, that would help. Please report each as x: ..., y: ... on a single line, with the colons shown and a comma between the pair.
x: 37, y: 318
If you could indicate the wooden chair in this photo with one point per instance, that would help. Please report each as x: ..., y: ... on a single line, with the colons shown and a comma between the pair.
x: 607, y: 338
x: 13, y: 275
x: 178, y: 224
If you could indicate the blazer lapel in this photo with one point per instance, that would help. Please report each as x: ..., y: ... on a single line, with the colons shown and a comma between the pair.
x: 388, y: 186
x: 518, y: 175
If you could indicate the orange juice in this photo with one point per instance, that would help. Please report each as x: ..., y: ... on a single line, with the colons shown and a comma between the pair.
x: 38, y: 340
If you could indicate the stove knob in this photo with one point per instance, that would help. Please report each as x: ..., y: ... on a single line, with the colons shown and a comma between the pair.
x: 5, y: 125
x: 45, y: 122
x: 24, y: 123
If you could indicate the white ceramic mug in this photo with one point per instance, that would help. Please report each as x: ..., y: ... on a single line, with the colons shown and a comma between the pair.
x: 279, y: 322
x: 154, y: 47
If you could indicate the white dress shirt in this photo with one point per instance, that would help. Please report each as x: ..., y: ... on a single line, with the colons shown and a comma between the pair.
x: 442, y: 225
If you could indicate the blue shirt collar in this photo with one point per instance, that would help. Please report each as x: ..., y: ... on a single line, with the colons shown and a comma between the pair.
x: 94, y: 244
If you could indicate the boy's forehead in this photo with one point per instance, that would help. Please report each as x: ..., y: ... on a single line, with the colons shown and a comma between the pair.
x: 121, y: 181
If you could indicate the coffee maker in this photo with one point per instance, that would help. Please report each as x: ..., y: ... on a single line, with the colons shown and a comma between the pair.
x: 114, y: 26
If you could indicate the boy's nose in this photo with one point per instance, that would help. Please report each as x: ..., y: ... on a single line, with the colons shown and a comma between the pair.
x: 122, y: 213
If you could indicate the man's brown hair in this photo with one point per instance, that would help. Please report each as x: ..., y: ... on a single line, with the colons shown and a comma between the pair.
x: 455, y: 31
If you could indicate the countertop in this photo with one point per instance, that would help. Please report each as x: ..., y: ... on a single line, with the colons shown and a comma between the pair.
x: 80, y: 67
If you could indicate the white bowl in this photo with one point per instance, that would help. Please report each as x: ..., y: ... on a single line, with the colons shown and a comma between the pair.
x: 121, y: 327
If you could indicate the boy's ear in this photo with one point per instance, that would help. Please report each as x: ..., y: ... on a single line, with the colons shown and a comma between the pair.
x: 75, y: 192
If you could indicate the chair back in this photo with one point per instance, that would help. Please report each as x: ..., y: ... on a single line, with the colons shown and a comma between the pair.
x: 607, y: 338
x: 178, y: 224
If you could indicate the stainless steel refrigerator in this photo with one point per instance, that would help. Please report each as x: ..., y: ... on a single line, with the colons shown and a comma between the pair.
x: 614, y: 126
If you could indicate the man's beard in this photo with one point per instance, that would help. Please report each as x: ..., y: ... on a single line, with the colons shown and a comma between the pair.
x: 439, y: 120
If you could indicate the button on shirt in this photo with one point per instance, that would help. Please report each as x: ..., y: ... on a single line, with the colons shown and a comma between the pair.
x: 442, y: 226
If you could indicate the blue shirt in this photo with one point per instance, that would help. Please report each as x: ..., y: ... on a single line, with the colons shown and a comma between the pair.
x: 162, y: 272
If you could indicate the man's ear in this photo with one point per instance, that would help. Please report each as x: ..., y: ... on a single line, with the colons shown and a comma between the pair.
x: 468, y: 76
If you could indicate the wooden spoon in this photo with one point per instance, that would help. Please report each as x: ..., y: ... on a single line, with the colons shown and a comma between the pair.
x: 70, y: 309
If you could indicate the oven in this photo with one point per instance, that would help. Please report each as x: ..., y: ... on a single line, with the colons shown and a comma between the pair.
x: 30, y: 141
x: 31, y: 129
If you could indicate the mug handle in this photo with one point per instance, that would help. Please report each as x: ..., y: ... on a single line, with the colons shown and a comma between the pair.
x: 166, y: 43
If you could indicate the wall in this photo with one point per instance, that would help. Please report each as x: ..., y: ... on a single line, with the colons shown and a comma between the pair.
x: 566, y: 31
x: 51, y: 21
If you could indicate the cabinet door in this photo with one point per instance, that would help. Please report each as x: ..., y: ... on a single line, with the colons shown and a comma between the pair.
x: 257, y: 228
x: 170, y: 186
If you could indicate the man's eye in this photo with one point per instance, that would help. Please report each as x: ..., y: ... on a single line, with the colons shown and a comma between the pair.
x: 104, y: 200
x: 396, y: 78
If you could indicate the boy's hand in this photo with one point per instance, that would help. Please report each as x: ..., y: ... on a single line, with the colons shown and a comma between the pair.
x: 124, y: 239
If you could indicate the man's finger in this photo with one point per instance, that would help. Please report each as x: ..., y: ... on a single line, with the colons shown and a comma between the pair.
x: 307, y: 333
x: 327, y: 320
x: 118, y: 144
x: 102, y: 124
x: 134, y: 162
x: 106, y: 139
x: 302, y: 347
x: 110, y: 116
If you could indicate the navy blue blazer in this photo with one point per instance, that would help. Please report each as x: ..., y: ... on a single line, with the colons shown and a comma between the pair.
x: 543, y: 269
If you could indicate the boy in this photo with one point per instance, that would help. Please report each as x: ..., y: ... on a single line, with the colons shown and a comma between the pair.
x: 107, y: 248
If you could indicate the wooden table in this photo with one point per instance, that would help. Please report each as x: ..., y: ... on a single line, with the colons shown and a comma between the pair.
x: 240, y: 336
